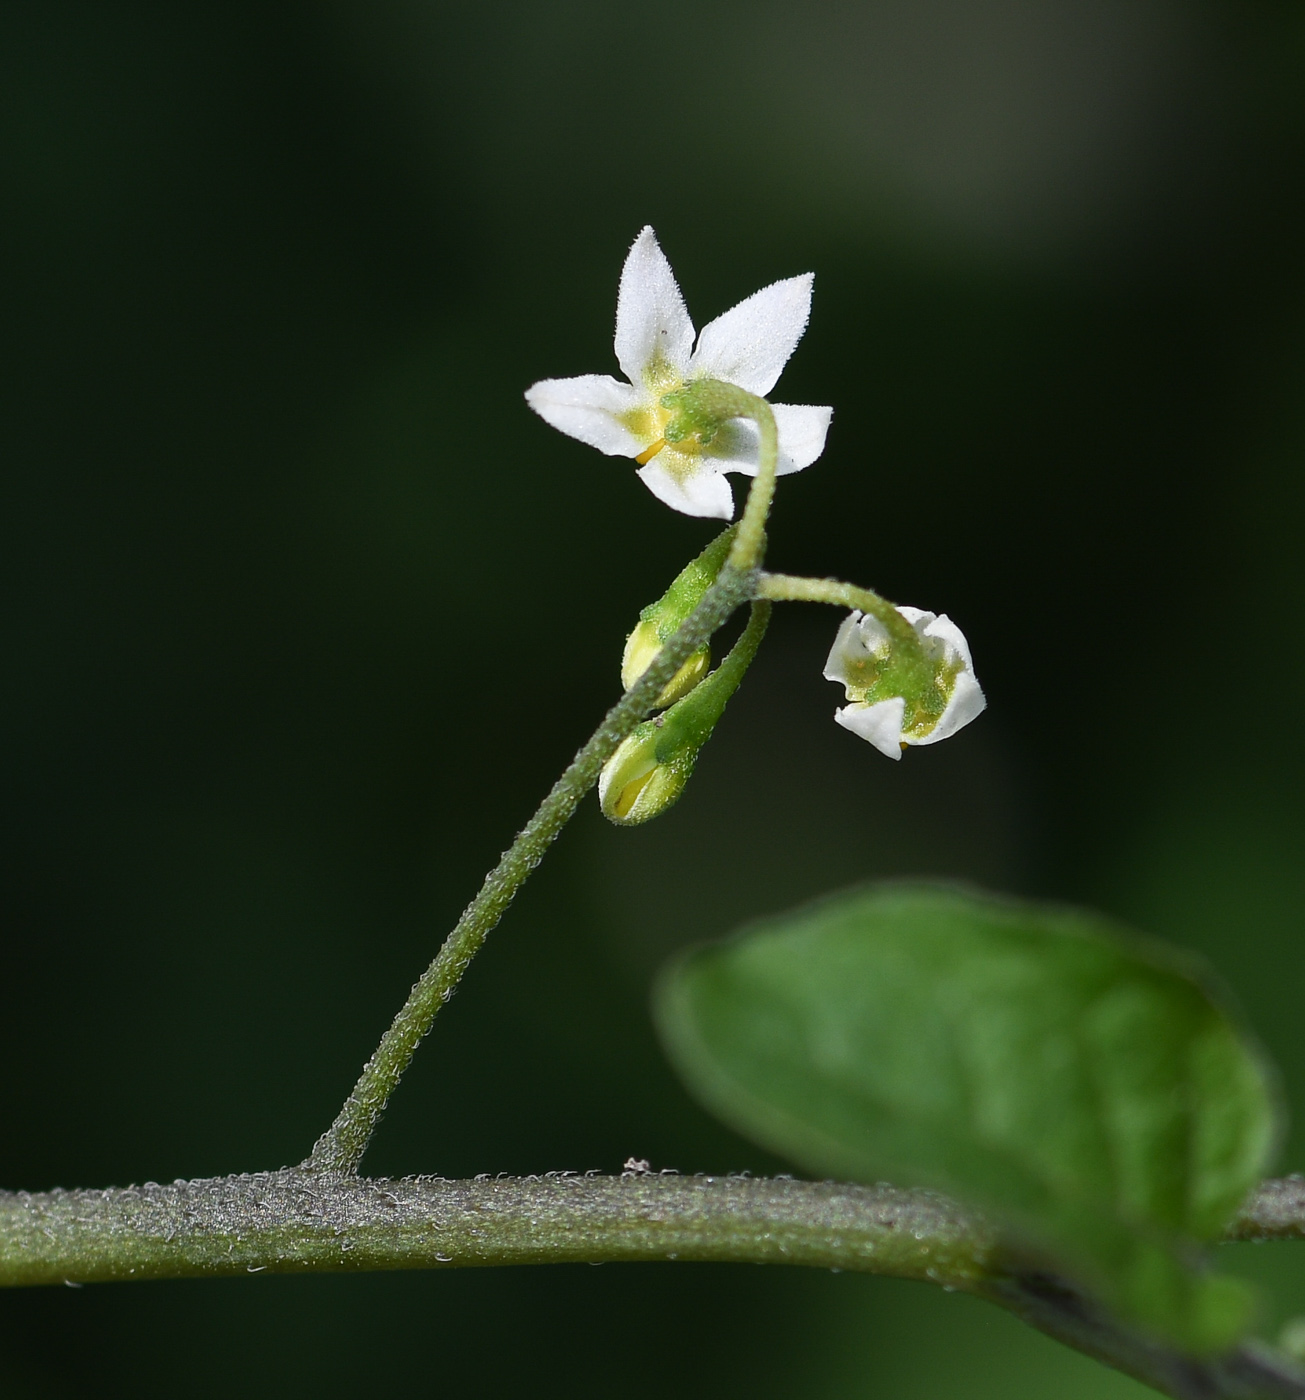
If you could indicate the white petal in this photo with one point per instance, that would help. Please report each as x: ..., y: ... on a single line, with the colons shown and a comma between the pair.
x: 651, y: 318
x: 861, y: 637
x: 951, y: 636
x: 967, y: 703
x: 836, y: 662
x: 704, y: 492
x: 879, y: 724
x: 750, y: 344
x: 587, y: 408
x: 914, y: 615
x: 801, y: 428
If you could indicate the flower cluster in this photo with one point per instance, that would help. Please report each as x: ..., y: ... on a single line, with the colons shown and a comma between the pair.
x: 905, y: 684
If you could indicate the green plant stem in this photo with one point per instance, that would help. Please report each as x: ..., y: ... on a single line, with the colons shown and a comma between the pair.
x: 341, y: 1147
x: 300, y: 1221
x: 750, y: 542
x: 1275, y: 1212
x: 296, y: 1221
x: 789, y: 588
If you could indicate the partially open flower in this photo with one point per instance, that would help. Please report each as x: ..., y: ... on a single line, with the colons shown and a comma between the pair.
x: 748, y: 346
x: 904, y: 695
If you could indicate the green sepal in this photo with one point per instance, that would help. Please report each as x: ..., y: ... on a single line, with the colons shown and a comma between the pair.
x: 702, y: 407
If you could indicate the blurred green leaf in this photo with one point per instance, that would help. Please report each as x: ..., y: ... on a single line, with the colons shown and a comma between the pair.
x: 1085, y: 1088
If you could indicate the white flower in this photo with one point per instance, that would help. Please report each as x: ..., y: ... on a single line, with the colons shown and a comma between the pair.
x: 747, y: 346
x: 915, y: 701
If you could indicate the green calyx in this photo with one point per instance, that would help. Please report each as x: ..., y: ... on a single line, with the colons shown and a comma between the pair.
x: 662, y: 619
x: 902, y: 665
x: 924, y: 685
x: 702, y: 407
x: 647, y: 774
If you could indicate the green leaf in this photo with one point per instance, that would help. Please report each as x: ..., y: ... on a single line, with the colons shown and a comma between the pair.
x: 1086, y: 1089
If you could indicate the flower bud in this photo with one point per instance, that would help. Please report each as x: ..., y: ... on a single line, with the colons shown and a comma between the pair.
x: 641, y: 648
x: 636, y: 783
x: 662, y: 619
x: 904, y: 694
x: 652, y: 765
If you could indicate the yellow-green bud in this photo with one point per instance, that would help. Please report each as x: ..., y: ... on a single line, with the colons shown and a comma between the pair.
x: 652, y: 765
x: 641, y: 648
x: 662, y: 619
x: 635, y: 785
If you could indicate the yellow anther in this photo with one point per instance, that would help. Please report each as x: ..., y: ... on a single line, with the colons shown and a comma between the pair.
x: 649, y: 453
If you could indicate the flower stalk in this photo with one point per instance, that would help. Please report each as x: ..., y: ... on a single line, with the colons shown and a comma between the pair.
x: 340, y: 1149
x: 791, y: 588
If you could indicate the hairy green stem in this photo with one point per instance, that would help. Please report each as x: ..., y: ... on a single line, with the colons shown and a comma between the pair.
x: 742, y: 654
x: 341, y: 1147
x: 301, y: 1221
x: 789, y: 588
x: 707, y: 401
x: 750, y: 542
x: 297, y: 1221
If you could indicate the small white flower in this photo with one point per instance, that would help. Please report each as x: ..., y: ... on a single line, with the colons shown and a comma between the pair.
x: 916, y: 702
x: 747, y: 346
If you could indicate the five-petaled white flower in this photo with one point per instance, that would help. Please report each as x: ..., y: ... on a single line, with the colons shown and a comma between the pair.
x: 747, y: 346
x: 940, y: 697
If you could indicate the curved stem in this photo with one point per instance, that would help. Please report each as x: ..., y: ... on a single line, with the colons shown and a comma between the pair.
x: 298, y: 1221
x: 750, y: 542
x: 702, y: 408
x: 742, y: 654
x: 789, y: 588
x: 341, y: 1147
x: 693, y: 719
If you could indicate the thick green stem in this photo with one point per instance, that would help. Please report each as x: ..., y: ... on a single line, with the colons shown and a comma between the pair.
x: 341, y: 1147
x: 300, y: 1221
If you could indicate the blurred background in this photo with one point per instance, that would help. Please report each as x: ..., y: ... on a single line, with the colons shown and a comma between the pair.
x: 305, y: 610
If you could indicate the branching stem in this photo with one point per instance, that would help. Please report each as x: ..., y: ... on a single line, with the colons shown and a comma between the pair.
x: 341, y: 1147
x: 323, y: 1216
x: 789, y: 588
x: 299, y: 1221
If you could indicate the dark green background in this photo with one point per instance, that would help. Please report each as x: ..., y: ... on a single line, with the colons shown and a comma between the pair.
x: 304, y: 609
